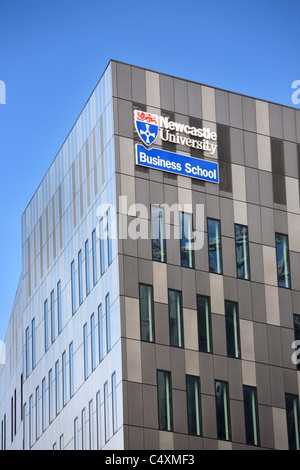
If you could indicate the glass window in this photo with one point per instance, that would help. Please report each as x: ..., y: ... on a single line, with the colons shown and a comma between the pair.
x: 251, y: 415
x: 175, y: 319
x: 50, y: 397
x: 59, y: 319
x: 100, y: 332
x: 27, y: 352
x: 283, y: 265
x: 164, y: 394
x: 292, y: 417
x: 214, y: 246
x: 158, y: 234
x: 204, y: 324
x: 146, y: 313
x: 37, y: 413
x: 73, y: 287
x: 94, y: 252
x: 61, y: 442
x: 46, y: 325
x: 91, y: 436
x: 109, y: 244
x: 33, y: 343
x: 102, y: 254
x: 80, y: 277
x: 76, y: 443
x: 186, y: 242
x: 24, y: 429
x: 242, y: 251
x: 44, y: 405
x: 71, y: 371
x: 193, y: 405
x: 30, y: 421
x: 64, y: 378
x: 297, y: 335
x: 98, y: 404
x: 83, y: 429
x: 108, y: 332
x: 93, y: 353
x: 106, y: 414
x: 222, y: 410
x: 52, y: 317
x: 87, y: 267
x: 85, y: 339
x: 114, y: 401
x: 57, y: 404
x: 232, y: 329
x: 12, y: 418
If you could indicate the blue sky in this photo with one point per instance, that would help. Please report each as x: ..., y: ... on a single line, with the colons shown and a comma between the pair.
x: 53, y: 52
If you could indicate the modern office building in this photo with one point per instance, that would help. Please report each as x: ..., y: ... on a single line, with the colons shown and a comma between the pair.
x: 159, y: 298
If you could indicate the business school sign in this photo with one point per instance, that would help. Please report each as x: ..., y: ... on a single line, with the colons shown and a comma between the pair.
x: 149, y: 126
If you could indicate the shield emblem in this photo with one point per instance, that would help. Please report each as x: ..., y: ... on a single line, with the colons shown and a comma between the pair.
x: 146, y: 125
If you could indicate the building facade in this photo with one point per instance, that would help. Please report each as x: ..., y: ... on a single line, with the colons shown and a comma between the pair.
x: 159, y: 300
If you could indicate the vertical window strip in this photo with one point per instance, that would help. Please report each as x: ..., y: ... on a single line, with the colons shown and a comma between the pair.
x: 71, y: 370
x: 108, y: 320
x: 282, y: 255
x: 98, y: 411
x: 33, y: 343
x: 186, y: 243
x: 64, y: 377
x: 242, y: 252
x: 109, y: 242
x: 73, y: 290
x: 80, y: 277
x: 204, y: 324
x: 94, y: 250
x: 85, y: 339
x: 44, y: 404
x: 59, y: 318
x: 106, y: 413
x: 222, y: 410
x: 175, y: 318
x: 27, y: 351
x: 193, y: 405
x: 114, y: 402
x: 146, y: 313
x: 100, y: 333
x: 214, y: 246
x: 46, y: 334
x: 93, y: 354
x: 164, y: 391
x: 158, y: 234
x: 87, y: 268
x: 52, y: 317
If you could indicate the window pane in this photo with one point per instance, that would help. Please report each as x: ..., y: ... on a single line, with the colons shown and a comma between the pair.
x: 59, y: 320
x: 242, y: 252
x: 283, y: 267
x: 64, y: 378
x: 158, y: 234
x: 106, y: 414
x: 93, y: 356
x: 251, y: 415
x: 50, y: 398
x: 114, y: 401
x: 83, y: 429
x: 108, y: 333
x: 46, y: 325
x: 80, y: 277
x: 37, y: 413
x: 204, y: 324
x: 102, y: 254
x: 146, y: 313
x: 71, y: 370
x: 100, y: 333
x: 33, y: 342
x: 30, y: 421
x: 52, y: 317
x: 193, y: 405
x: 186, y: 242
x: 85, y: 352
x: 222, y: 410
x: 94, y: 248
x: 98, y: 404
x: 76, y: 446
x: 109, y: 244
x: 87, y: 267
x: 292, y: 416
x: 91, y: 436
x: 232, y: 329
x: 214, y: 246
x: 57, y: 404
x: 73, y: 287
x: 165, y: 416
x: 297, y: 335
x: 27, y: 352
x: 44, y: 404
x: 175, y: 319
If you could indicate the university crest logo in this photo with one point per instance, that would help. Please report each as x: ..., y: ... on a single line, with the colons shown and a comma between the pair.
x: 146, y: 125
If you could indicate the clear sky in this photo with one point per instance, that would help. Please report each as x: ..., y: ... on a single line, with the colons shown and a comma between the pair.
x: 53, y: 52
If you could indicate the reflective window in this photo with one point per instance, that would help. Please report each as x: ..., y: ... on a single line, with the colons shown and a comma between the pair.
x: 114, y: 401
x: 50, y: 397
x: 193, y: 405
x: 46, y: 325
x: 283, y: 265
x: 87, y: 268
x: 76, y: 443
x: 222, y: 410
x: 109, y: 244
x: 175, y: 319
x: 292, y: 417
x: 98, y: 411
x: 85, y: 351
x: 57, y: 403
x: 30, y: 421
x: 94, y: 252
x: 93, y: 352
x: 242, y: 251
x: 91, y: 436
x: 33, y: 343
x: 27, y: 351
x: 186, y: 242
x: 71, y: 371
x: 204, y: 324
x: 44, y: 405
x: 251, y: 415
x: 214, y: 246
x: 146, y: 313
x: 100, y: 333
x: 64, y: 378
x: 158, y: 234
x: 73, y: 287
x: 232, y: 329
x: 102, y: 254
x: 108, y: 332
x: 83, y: 429
x: 106, y: 414
x: 164, y: 395
x: 37, y: 413
x: 80, y: 277
x: 52, y: 317
x: 59, y: 319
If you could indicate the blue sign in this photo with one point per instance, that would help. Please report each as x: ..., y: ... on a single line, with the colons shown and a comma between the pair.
x: 176, y: 163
